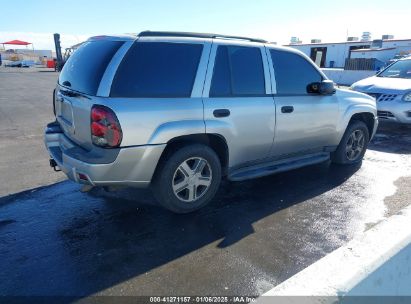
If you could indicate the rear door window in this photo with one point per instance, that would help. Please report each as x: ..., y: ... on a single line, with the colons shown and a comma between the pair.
x: 293, y: 73
x: 238, y: 71
x: 157, y: 69
x: 84, y: 69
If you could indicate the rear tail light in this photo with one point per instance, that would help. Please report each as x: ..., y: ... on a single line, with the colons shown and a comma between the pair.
x: 105, y: 128
x: 82, y: 177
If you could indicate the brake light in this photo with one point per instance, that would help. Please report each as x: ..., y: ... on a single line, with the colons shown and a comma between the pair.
x: 105, y: 129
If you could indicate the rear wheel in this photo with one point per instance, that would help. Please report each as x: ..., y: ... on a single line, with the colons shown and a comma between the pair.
x: 353, y: 145
x: 188, y: 179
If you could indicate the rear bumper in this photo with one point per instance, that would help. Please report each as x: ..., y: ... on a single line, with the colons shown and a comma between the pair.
x: 128, y: 166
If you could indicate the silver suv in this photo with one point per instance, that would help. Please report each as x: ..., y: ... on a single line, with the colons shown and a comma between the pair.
x: 179, y: 111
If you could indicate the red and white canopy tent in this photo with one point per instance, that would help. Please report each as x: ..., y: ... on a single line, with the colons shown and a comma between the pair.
x: 17, y: 42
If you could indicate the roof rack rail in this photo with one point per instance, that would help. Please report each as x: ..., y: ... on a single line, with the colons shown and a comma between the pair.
x: 195, y: 35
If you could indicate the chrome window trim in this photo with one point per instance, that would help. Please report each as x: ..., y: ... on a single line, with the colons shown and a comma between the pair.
x: 108, y: 76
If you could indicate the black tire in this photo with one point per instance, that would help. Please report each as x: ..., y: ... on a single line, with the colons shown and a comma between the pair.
x: 343, y: 155
x: 168, y: 173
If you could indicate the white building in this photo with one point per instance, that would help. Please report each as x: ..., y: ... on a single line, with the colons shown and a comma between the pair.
x: 38, y: 53
x: 334, y: 55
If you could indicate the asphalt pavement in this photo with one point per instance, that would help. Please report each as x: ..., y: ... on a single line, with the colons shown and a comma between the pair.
x: 57, y: 241
x: 25, y: 109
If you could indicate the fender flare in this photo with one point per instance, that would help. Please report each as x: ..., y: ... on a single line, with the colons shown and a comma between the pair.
x: 169, y: 130
x: 350, y: 112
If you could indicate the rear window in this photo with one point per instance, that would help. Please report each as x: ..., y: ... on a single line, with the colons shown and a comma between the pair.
x: 157, y: 69
x: 84, y: 69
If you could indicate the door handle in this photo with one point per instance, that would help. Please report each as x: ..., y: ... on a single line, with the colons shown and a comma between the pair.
x: 221, y: 113
x: 287, y: 109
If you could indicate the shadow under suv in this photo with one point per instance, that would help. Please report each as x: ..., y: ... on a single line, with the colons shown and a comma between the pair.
x: 180, y: 111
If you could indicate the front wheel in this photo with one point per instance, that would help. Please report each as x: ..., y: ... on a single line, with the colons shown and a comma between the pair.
x: 188, y: 179
x: 353, y: 145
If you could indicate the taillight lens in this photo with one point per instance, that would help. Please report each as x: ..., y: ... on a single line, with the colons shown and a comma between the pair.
x: 105, y: 128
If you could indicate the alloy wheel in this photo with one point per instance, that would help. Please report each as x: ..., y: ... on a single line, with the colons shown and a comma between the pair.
x: 355, y: 145
x: 192, y: 179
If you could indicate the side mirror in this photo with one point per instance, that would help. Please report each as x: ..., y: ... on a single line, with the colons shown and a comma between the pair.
x: 324, y: 87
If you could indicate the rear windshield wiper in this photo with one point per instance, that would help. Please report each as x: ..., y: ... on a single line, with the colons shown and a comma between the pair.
x: 72, y: 94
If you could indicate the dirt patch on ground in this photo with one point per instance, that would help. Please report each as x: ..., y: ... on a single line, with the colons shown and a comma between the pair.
x: 401, y: 198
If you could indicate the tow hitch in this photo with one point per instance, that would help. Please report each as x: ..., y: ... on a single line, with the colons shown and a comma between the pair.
x: 54, y: 165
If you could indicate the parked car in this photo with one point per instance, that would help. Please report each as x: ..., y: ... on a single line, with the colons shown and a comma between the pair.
x: 19, y: 64
x: 392, y: 89
x: 180, y: 111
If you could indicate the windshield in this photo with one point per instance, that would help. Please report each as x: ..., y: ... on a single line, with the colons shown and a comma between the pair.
x: 399, y: 69
x: 84, y: 69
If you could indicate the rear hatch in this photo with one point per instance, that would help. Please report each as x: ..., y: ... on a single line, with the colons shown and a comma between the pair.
x: 78, y: 84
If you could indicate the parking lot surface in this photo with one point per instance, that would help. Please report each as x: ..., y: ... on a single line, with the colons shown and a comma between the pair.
x: 55, y: 240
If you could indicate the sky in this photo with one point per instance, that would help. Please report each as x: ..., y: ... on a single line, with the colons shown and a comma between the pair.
x: 36, y: 20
